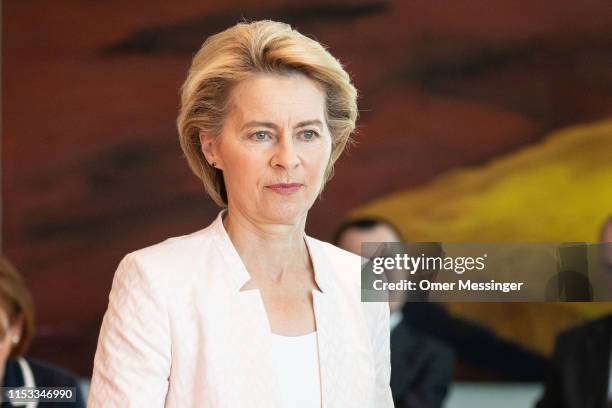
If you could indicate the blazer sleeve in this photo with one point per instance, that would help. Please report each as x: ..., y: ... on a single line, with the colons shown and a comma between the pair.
x: 132, y: 361
x: 382, y: 357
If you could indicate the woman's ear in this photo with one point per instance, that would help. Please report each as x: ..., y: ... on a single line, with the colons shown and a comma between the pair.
x: 208, y: 144
x: 16, y: 330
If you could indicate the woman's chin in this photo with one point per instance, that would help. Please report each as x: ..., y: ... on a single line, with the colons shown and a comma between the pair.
x: 284, y: 213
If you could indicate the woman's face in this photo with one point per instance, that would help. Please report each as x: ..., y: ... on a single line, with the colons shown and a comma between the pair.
x: 7, y: 333
x: 274, y: 147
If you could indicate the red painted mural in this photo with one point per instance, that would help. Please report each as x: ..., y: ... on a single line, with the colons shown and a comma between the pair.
x: 92, y: 168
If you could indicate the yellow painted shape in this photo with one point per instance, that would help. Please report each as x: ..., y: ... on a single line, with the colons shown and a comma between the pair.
x: 559, y: 189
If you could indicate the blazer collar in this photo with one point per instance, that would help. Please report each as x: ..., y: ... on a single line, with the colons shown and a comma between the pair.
x: 240, y: 276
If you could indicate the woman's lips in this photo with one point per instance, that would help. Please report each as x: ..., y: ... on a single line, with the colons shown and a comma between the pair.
x: 285, y: 189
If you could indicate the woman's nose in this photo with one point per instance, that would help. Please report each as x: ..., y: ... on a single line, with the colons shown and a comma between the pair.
x: 285, y: 155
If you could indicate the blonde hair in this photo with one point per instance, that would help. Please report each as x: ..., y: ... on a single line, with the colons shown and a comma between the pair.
x: 15, y: 296
x: 239, y: 52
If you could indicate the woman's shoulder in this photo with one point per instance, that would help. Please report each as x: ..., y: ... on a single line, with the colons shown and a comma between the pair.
x: 21, y: 371
x: 345, y: 265
x: 50, y: 375
x: 175, y: 249
x: 180, y: 254
x: 346, y: 268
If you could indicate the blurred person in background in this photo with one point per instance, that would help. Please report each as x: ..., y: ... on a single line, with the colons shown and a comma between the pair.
x: 421, y: 366
x: 572, y: 283
x: 580, y: 372
x: 605, y: 247
x: 16, y: 332
x: 478, y: 350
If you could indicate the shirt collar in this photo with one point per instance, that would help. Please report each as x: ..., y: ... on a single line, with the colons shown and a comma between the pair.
x: 395, y: 319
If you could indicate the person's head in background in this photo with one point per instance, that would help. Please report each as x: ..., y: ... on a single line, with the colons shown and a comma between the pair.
x: 352, y: 233
x: 16, y: 314
x: 605, y: 238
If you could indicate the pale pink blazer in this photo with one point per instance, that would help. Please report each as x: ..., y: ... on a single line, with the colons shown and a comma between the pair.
x: 179, y: 332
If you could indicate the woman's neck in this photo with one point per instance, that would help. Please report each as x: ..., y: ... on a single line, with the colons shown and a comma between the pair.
x: 269, y: 249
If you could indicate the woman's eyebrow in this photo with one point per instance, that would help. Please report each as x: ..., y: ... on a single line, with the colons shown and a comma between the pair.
x: 316, y: 122
x: 255, y: 123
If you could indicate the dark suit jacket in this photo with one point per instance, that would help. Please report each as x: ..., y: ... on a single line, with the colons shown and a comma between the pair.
x: 476, y: 345
x: 45, y: 375
x: 421, y: 368
x: 580, y: 367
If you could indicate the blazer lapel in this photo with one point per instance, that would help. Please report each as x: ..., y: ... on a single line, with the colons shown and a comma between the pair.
x: 345, y: 351
x: 250, y: 337
x: 330, y: 362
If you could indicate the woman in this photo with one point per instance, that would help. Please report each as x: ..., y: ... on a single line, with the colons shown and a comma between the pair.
x: 250, y: 311
x: 16, y: 330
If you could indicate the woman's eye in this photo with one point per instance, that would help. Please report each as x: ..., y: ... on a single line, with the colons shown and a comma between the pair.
x: 260, y: 135
x: 310, y: 134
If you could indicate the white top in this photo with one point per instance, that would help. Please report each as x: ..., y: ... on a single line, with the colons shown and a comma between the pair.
x: 297, y: 363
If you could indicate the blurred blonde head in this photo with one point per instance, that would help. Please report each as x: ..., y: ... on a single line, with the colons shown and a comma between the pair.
x: 246, y: 49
